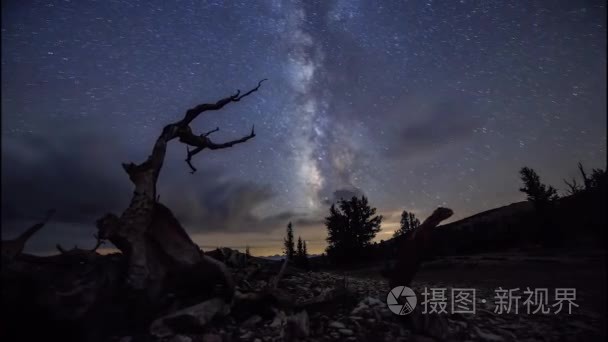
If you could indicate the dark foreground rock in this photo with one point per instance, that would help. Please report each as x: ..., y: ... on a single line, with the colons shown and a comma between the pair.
x: 304, y: 306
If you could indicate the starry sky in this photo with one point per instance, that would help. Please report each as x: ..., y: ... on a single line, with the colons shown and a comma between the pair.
x: 415, y: 104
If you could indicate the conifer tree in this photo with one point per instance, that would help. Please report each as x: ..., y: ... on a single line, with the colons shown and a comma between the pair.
x: 288, y: 243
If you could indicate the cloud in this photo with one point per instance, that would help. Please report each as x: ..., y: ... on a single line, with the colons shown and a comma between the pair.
x: 80, y: 183
x: 346, y: 193
x: 222, y: 205
x: 80, y: 176
x: 442, y: 123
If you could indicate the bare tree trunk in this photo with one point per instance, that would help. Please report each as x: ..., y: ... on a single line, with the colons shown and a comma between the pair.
x: 414, y: 247
x: 151, y: 248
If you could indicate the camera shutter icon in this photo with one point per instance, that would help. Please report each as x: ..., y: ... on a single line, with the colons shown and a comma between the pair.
x: 401, y: 300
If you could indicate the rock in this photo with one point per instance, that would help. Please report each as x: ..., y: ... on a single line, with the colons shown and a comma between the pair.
x: 337, y: 325
x: 346, y: 332
x: 361, y: 307
x: 371, y: 301
x: 126, y: 339
x: 180, y: 338
x: 252, y: 321
x: 486, y: 336
x: 198, y: 315
x: 279, y: 320
x: 246, y: 335
x: 334, y: 335
x: 421, y: 338
x: 299, y: 324
x: 212, y: 338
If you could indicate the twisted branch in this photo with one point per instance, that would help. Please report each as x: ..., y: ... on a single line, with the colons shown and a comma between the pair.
x: 213, y: 146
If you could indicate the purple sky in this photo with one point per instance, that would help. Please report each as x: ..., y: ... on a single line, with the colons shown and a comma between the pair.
x: 414, y: 104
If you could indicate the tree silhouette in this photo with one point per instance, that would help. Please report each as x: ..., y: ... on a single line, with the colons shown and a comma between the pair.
x: 137, y: 232
x: 305, y: 264
x: 350, y: 227
x: 301, y: 257
x: 598, y: 179
x: 537, y: 192
x: 573, y: 187
x: 543, y: 197
x: 288, y: 242
x: 299, y: 248
x: 408, y: 222
x: 586, y: 180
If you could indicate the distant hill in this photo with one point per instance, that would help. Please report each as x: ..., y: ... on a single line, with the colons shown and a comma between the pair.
x: 493, y: 229
x: 281, y: 257
x: 575, y: 220
x: 273, y: 257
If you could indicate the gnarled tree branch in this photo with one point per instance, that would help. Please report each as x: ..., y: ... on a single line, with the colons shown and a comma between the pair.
x: 211, y: 131
x: 192, y: 113
x: 12, y: 248
x: 99, y: 242
x: 207, y: 143
x: 128, y: 232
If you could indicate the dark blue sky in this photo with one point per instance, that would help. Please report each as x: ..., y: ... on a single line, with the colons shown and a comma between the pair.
x: 415, y: 104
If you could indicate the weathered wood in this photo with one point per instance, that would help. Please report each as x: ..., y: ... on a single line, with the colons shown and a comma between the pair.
x: 414, y: 247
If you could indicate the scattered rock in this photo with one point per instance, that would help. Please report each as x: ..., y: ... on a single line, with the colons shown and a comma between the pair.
x: 180, y: 338
x: 346, y: 332
x: 252, y: 321
x: 299, y: 324
x: 421, y: 338
x: 279, y: 320
x: 486, y: 336
x: 246, y: 335
x: 337, y: 325
x: 197, y: 315
x: 211, y: 338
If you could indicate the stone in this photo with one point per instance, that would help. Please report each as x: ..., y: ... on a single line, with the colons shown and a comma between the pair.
x: 180, y: 338
x: 337, y: 325
x: 300, y: 324
x: 199, y: 314
x: 212, y: 338
x: 252, y: 321
x: 279, y: 320
x: 346, y: 332
x: 246, y: 335
x: 361, y: 307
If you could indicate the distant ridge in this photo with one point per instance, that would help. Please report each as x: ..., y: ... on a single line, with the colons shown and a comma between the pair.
x: 488, y: 216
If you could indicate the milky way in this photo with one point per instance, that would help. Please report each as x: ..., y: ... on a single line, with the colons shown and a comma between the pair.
x: 414, y: 104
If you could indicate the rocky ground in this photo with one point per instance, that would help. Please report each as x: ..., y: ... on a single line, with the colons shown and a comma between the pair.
x: 360, y: 313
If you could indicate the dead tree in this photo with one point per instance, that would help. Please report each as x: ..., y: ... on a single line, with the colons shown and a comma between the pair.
x: 574, y: 187
x: 152, y: 249
x: 586, y: 180
x: 13, y: 248
x: 79, y: 250
x: 414, y: 247
x: 158, y: 257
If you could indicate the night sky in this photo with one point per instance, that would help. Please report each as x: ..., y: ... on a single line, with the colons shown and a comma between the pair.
x: 415, y: 104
